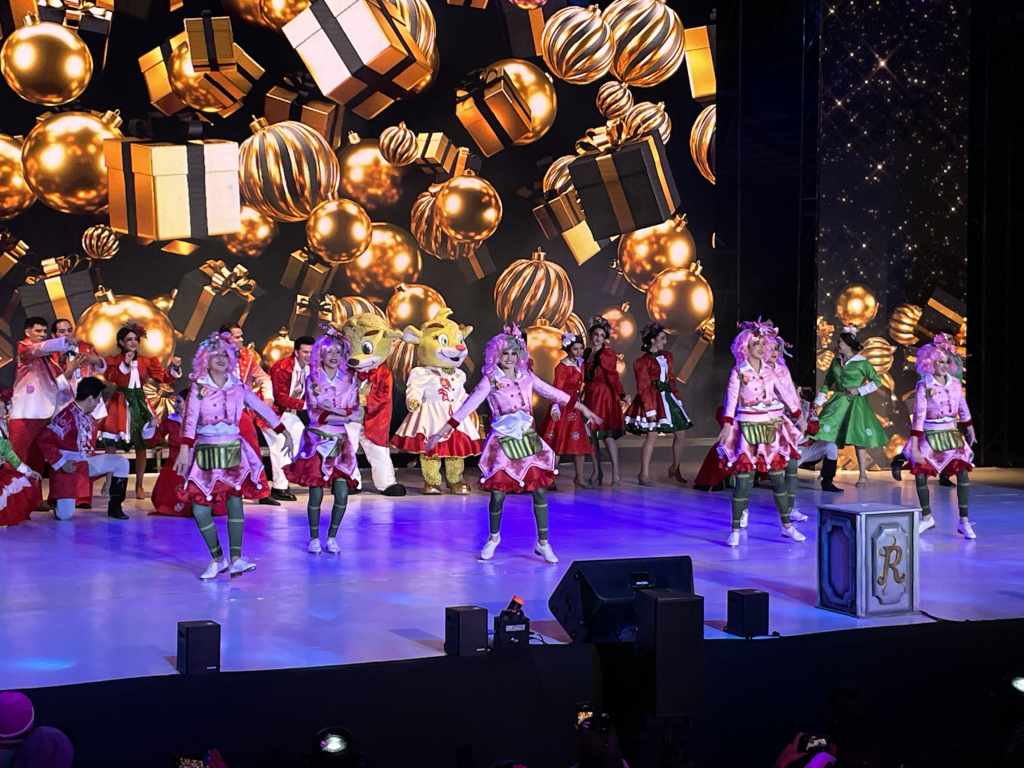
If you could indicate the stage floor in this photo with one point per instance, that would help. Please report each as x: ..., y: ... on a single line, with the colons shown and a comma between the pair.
x: 96, y: 599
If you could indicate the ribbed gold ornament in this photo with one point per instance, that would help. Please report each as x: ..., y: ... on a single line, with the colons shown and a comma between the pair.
x: 556, y: 178
x: 577, y: 45
x: 824, y: 359
x: 348, y: 307
x: 398, y: 145
x: 702, y: 142
x: 903, y: 324
x: 534, y: 288
x: 614, y: 99
x: 574, y: 324
x: 648, y: 41
x: 420, y: 19
x: 879, y: 352
x: 648, y: 117
x: 100, y: 242
x: 286, y: 170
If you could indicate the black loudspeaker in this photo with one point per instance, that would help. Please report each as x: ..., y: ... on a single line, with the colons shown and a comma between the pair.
x: 465, y: 630
x: 594, y: 601
x: 670, y: 631
x: 198, y: 647
x: 748, y: 613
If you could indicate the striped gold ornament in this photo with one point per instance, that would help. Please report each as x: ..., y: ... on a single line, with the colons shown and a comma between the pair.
x: 556, y: 178
x: 879, y: 352
x: 100, y: 242
x: 614, y: 99
x: 648, y: 117
x: 347, y: 307
x: 702, y: 143
x: 401, y: 360
x: 398, y: 145
x: 286, y: 170
x: 649, y: 44
x: 577, y: 45
x: 574, y: 324
x: 903, y: 324
x: 421, y: 22
x: 428, y: 233
x: 533, y: 288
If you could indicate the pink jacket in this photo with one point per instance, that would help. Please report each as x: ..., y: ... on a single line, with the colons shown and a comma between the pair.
x: 35, y: 381
x: 758, y: 395
x: 340, y: 395
x: 508, y: 397
x: 213, y: 413
x: 938, y: 407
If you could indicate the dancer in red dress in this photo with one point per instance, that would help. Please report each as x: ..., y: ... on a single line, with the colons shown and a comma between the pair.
x: 19, y: 483
x: 565, y: 429
x: 603, y: 394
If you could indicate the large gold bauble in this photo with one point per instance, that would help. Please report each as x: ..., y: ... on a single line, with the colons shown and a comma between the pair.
x: 257, y: 231
x: 577, y: 44
x: 824, y: 359
x: 879, y: 352
x: 468, y: 209
x: 277, y: 348
x: 287, y: 169
x: 100, y: 323
x: 15, y: 194
x: 63, y: 159
x: 614, y: 100
x: 544, y: 344
x: 190, y: 86
x: 398, y: 145
x: 681, y: 300
x: 46, y: 63
x: 556, y: 178
x: 338, y: 230
x: 647, y: 252
x: 648, y: 41
x: 647, y: 117
x: 702, y: 142
x: 533, y: 288
x: 574, y: 324
x: 903, y: 324
x: 347, y: 307
x: 887, y: 383
x: 413, y: 305
x: 248, y: 10
x: 100, y: 242
x: 366, y: 176
x: 623, y: 323
x: 537, y: 90
x: 277, y: 13
x: 392, y: 258
x: 856, y: 306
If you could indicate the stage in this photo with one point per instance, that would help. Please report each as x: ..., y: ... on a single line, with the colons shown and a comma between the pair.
x: 97, y: 599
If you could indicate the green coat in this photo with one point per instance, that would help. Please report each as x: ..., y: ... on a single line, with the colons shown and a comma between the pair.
x: 848, y: 419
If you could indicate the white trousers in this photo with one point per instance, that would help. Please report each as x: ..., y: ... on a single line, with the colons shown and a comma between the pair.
x: 381, y: 468
x: 818, y: 450
x: 279, y: 458
x: 99, y: 464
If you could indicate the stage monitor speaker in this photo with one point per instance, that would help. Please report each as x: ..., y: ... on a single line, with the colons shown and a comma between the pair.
x: 594, y: 601
x: 198, y: 647
x: 670, y: 631
x: 465, y: 630
x: 748, y: 613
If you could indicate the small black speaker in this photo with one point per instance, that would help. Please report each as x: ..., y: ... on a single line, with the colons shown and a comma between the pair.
x: 594, y: 601
x: 748, y: 613
x: 198, y: 647
x: 670, y: 631
x: 465, y: 630
x: 511, y: 632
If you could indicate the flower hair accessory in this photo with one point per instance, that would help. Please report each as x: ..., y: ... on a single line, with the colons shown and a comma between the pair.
x: 568, y: 339
x: 851, y: 329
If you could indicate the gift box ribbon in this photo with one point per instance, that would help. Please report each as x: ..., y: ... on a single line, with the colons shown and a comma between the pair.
x: 53, y: 270
x: 472, y: 89
x: 222, y: 281
x: 304, y: 305
x: 211, y: 46
x: 195, y: 181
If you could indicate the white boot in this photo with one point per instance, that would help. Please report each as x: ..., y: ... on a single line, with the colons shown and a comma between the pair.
x: 790, y: 532
x: 797, y: 516
x: 240, y: 566
x: 544, y: 549
x: 313, y: 547
x: 215, y: 567
x: 734, y: 538
x: 745, y: 519
x: 966, y: 529
x: 332, y: 546
x: 492, y: 544
x: 927, y: 523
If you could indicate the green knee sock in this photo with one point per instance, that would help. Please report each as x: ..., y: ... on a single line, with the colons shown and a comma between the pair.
x: 923, y: 497
x: 431, y: 469
x: 236, y: 522
x: 338, y: 509
x: 792, y: 483
x: 781, y: 494
x: 316, y: 497
x: 453, y: 469
x: 204, y: 519
x: 741, y: 496
x: 963, y: 488
x: 494, y: 511
x: 540, y: 514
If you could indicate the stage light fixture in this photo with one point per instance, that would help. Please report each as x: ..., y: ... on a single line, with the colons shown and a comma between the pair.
x: 1018, y: 684
x: 332, y: 741
x: 333, y: 746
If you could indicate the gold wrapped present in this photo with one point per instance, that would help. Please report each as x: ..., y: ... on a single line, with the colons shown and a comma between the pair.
x: 942, y: 314
x: 699, y: 44
x: 705, y: 338
x: 466, y: 160
x: 480, y: 4
x: 359, y: 53
x: 308, y: 312
x: 303, y: 273
x: 13, y: 13
x: 295, y: 100
x: 156, y: 71
x: 210, y: 296
x: 89, y: 21
x: 562, y: 217
x: 146, y: 10
x: 12, y: 251
x: 435, y: 154
x: 162, y: 191
x: 57, y: 290
x: 491, y: 108
x: 211, y: 43
x: 476, y: 265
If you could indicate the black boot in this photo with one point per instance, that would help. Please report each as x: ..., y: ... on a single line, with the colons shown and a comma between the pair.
x: 945, y: 482
x: 118, y: 488
x: 897, y: 467
x: 828, y: 474
x: 394, y: 490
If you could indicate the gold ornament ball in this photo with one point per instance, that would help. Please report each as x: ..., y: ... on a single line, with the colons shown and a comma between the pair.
x: 903, y: 324
x: 681, y: 300
x: 647, y: 117
x: 250, y: 11
x: 468, y: 209
x: 887, y: 383
x: 392, y: 258
x: 577, y: 44
x: 544, y: 345
x: 15, y: 194
x: 647, y: 252
x: 528, y: 5
x: 348, y: 307
x: 46, y: 63
x: 824, y: 359
x: 338, y: 230
x: 614, y: 100
x: 623, y: 323
x: 413, y: 305
x: 648, y: 41
x: 277, y: 13
x: 398, y: 145
x: 256, y: 232
x: 63, y: 159
x: 100, y: 242
x: 556, y: 178
x: 366, y: 176
x: 534, y: 288
x: 537, y: 90
x: 100, y: 323
x: 191, y: 86
x: 702, y: 142
x: 277, y: 348
x: 879, y: 352
x: 856, y: 306
x: 574, y: 324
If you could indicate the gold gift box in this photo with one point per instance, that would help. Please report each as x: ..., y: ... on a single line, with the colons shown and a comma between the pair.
x: 480, y: 4
x: 465, y: 161
x: 562, y: 217
x: 305, y: 274
x: 12, y: 251
x: 435, y: 154
x: 700, y: 63
x: 211, y: 43
x: 358, y: 52
x: 493, y: 112
x: 324, y: 117
x: 156, y: 71
x: 13, y: 13
x: 163, y: 191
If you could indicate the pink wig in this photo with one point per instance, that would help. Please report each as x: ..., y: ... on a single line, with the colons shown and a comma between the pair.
x: 945, y: 342
x: 328, y: 337
x: 212, y: 345
x: 926, y: 357
x: 510, y: 338
x: 756, y: 329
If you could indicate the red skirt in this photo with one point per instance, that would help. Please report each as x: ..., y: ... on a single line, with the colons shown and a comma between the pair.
x: 222, y: 492
x: 743, y: 465
x: 567, y: 435
x: 535, y: 479
x: 458, y: 445
x: 19, y: 495
x: 711, y: 474
x: 167, y: 495
x: 603, y: 402
x: 950, y: 470
x: 309, y: 474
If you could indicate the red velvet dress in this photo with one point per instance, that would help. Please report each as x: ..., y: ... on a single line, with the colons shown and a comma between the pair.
x: 567, y: 435
x: 169, y: 484
x: 603, y: 392
x: 19, y: 493
x: 711, y: 475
